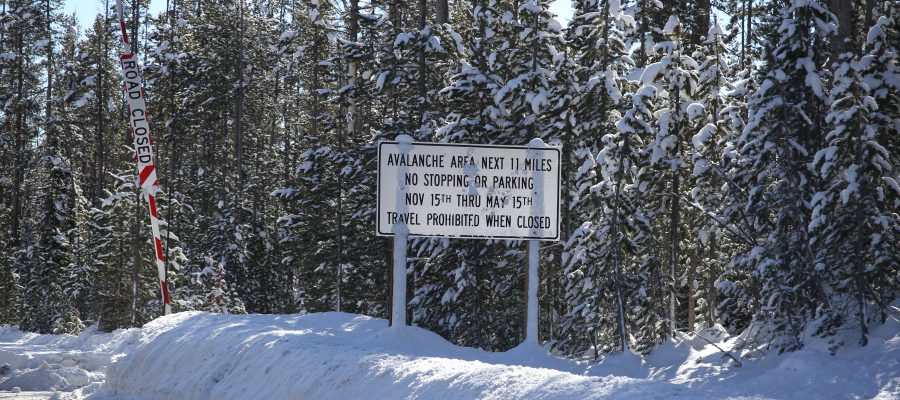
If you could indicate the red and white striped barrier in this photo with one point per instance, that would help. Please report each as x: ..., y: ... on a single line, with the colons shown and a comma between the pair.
x: 143, y: 148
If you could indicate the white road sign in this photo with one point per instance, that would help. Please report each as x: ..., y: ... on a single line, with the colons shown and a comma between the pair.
x: 469, y: 190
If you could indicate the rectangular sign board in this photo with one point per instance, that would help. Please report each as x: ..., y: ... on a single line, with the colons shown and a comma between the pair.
x: 469, y: 190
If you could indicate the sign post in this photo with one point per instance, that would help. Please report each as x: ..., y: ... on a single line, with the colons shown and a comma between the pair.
x: 467, y: 191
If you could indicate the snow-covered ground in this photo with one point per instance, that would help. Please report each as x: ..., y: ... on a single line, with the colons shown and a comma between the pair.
x: 345, y: 356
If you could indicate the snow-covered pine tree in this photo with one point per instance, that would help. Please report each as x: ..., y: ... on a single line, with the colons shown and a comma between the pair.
x: 675, y: 77
x: 48, y: 308
x: 455, y: 289
x: 415, y: 59
x: 112, y: 248
x: 736, y: 287
x: 784, y: 131
x: 80, y: 276
x: 596, y: 37
x: 624, y: 232
x: 308, y: 239
x: 853, y: 229
x: 23, y: 37
x: 710, y: 189
x: 535, y: 40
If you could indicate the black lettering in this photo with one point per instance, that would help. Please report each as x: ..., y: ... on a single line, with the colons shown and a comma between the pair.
x: 461, y: 161
x: 533, y: 222
x: 411, y: 179
x: 492, y: 163
x: 498, y: 221
x: 415, y: 198
x: 409, y: 218
x: 441, y: 219
x: 513, y: 182
x: 468, y: 200
x: 495, y: 201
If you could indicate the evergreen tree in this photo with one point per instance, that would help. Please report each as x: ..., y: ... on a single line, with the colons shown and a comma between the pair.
x: 852, y: 228
x: 784, y: 131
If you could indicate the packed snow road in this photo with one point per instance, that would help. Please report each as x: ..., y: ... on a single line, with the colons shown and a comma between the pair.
x: 344, y: 356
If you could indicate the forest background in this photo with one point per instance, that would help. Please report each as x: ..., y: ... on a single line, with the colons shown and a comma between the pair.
x: 726, y: 162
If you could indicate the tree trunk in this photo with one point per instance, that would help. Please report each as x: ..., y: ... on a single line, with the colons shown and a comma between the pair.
x: 19, y: 157
x: 691, y: 290
x: 748, y: 6
x: 352, y: 116
x: 870, y: 13
x: 843, y: 41
x: 442, y: 11
x: 423, y: 91
x: 99, y: 157
x: 617, y: 252
x: 702, y: 22
x: 712, y: 276
x: 675, y: 219
x: 239, y: 105
x: 49, y: 100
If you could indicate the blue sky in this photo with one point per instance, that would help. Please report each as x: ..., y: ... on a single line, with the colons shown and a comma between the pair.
x: 85, y: 10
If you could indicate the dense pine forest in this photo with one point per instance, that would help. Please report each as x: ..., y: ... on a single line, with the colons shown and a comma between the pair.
x: 731, y: 162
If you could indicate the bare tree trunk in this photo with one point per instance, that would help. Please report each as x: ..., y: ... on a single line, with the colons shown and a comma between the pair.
x: 675, y: 220
x: 423, y: 92
x: 99, y: 156
x: 870, y: 13
x: 712, y: 276
x: 49, y: 100
x: 442, y: 11
x: 239, y: 104
x: 858, y: 267
x: 748, y: 5
x: 645, y: 31
x: 617, y: 251
x: 352, y: 116
x: 691, y: 276
x: 702, y: 22
x: 20, y: 140
x: 843, y: 41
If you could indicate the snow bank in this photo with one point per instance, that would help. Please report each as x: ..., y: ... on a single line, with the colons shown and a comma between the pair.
x: 345, y: 356
x: 342, y: 356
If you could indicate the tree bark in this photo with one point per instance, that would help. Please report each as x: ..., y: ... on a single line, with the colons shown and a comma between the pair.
x: 675, y: 217
x: 423, y: 91
x: 239, y: 104
x: 702, y: 22
x: 843, y: 41
x: 49, y: 100
x: 870, y: 13
x: 352, y: 116
x: 442, y: 11
x: 20, y: 140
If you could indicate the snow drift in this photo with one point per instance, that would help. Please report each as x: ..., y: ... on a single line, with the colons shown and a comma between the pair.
x: 346, y: 356
x: 340, y: 356
x: 195, y: 355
